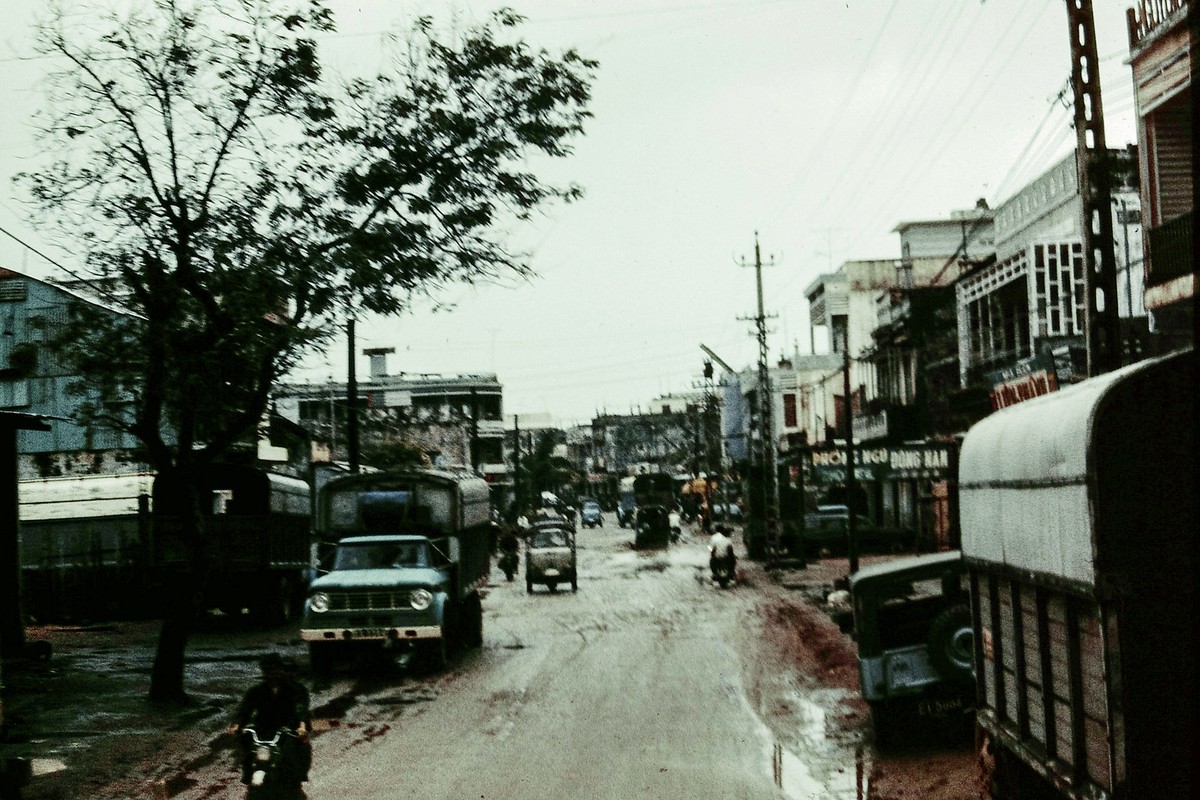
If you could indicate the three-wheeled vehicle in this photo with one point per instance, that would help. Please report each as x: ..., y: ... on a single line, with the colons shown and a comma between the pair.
x: 912, y: 624
x: 550, y: 555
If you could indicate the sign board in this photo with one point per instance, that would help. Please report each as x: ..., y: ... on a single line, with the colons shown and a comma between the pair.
x: 1028, y: 378
x: 902, y: 462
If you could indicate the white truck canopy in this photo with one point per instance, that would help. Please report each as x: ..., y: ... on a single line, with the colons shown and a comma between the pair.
x: 1027, y: 483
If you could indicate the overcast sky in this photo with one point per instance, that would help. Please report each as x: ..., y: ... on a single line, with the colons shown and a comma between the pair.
x: 819, y: 125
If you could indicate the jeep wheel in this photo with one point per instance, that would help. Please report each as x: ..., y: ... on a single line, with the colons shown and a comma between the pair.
x: 952, y: 644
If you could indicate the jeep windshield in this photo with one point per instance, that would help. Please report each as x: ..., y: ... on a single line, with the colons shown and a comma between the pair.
x: 381, y: 555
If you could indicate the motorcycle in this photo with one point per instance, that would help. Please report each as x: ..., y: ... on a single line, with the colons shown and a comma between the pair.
x: 723, y: 569
x: 273, y: 766
x: 508, y: 563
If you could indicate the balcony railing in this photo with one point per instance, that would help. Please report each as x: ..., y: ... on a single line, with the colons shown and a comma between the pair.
x: 1149, y: 15
x: 1171, y: 253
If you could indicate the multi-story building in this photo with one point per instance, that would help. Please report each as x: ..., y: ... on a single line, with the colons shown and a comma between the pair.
x: 1022, y: 317
x: 662, y: 440
x: 455, y: 419
x: 1161, y: 54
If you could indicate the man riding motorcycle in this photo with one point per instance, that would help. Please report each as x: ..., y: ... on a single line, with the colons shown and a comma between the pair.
x: 277, y: 701
x: 721, y: 557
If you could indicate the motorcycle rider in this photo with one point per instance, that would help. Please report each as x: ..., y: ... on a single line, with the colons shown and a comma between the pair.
x: 510, y: 545
x: 277, y: 701
x: 720, y: 548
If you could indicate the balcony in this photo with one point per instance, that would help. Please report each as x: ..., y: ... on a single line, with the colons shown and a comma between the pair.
x: 1171, y: 253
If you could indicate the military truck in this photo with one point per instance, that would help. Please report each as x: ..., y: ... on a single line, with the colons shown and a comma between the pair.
x: 404, y: 555
x: 1078, y: 515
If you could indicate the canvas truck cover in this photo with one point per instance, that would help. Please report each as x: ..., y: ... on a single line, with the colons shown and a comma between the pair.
x: 1094, y: 478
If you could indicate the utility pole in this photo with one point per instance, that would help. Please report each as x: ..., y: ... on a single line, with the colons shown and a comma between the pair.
x: 517, y: 493
x: 1094, y: 171
x: 848, y: 428
x: 351, y: 400
x: 766, y: 439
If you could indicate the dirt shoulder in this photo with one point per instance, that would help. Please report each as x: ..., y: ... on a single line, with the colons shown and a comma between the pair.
x: 799, y: 637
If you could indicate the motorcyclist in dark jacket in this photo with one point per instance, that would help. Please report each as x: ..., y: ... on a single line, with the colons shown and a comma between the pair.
x: 277, y: 701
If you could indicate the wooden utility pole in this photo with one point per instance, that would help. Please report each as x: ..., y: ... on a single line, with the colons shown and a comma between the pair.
x: 766, y: 439
x: 1093, y: 167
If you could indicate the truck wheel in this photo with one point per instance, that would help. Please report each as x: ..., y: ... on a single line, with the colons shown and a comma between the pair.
x: 436, y: 654
x: 528, y: 586
x: 574, y: 584
x: 320, y: 659
x: 951, y: 644
x: 473, y: 622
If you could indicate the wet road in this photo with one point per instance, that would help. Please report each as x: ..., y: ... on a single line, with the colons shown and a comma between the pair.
x: 632, y: 687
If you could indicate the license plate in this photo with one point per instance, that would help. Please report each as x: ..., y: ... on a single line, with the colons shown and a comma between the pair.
x: 551, y: 573
x: 369, y: 632
x: 939, y: 708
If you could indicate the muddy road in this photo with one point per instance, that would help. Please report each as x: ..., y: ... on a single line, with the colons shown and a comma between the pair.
x: 634, y: 686
x: 647, y: 682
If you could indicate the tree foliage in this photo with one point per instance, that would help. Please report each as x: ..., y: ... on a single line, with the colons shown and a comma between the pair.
x: 236, y: 202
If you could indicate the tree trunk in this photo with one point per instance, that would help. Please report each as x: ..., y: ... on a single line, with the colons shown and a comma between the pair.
x: 180, y: 586
x: 166, y: 676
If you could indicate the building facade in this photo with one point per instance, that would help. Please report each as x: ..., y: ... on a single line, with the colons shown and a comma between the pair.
x: 1161, y: 54
x: 441, y: 419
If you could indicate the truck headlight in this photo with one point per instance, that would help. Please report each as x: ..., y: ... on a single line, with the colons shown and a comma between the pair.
x: 420, y: 599
x: 319, y: 603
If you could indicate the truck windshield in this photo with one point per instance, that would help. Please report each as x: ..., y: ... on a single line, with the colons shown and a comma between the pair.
x: 381, y: 555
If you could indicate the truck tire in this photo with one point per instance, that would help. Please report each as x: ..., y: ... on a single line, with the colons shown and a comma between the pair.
x: 320, y: 659
x: 473, y: 622
x: 951, y: 645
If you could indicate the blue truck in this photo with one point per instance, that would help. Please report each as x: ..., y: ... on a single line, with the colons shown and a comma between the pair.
x: 404, y: 555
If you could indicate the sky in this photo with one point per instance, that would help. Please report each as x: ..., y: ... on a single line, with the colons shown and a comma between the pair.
x: 809, y: 127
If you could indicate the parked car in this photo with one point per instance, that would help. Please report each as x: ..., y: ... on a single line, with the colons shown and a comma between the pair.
x: 826, y: 530
x: 590, y: 514
x: 550, y: 556
x: 912, y: 625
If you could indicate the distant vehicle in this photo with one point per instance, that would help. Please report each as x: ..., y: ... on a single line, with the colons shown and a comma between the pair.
x: 827, y: 531
x: 626, y: 503
x: 726, y: 512
x: 412, y: 551
x: 550, y: 556
x: 912, y: 624
x: 652, y: 527
x: 590, y: 514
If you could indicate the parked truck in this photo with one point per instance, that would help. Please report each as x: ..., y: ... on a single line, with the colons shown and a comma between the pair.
x: 1078, y: 514
x: 257, y: 537
x: 405, y: 554
x: 96, y: 546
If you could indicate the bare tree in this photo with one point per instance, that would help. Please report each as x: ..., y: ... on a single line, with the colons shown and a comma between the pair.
x: 234, y: 202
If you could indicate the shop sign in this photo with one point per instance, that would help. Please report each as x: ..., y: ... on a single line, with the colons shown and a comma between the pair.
x: 1028, y: 378
x: 906, y: 462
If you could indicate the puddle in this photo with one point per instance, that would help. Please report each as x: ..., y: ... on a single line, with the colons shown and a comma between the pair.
x: 824, y: 771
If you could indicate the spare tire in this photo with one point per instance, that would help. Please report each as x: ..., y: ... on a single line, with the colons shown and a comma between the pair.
x: 951, y: 644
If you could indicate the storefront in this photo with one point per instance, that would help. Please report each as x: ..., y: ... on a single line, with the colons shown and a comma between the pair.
x: 903, y: 486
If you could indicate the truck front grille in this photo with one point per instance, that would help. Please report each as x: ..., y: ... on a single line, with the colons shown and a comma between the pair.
x: 368, y: 601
